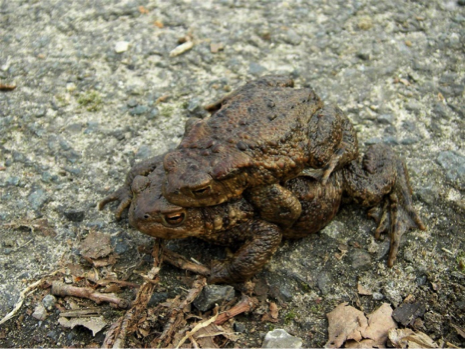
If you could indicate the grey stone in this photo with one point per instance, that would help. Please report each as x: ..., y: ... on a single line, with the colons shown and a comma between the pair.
x: 324, y: 282
x: 279, y: 338
x: 74, y: 215
x: 49, y: 302
x: 239, y: 327
x: 377, y: 296
x: 37, y: 198
x: 453, y: 164
x: 360, y: 259
x: 213, y: 294
x: 40, y: 313
x: 291, y: 37
x: 132, y: 103
x: 256, y: 69
x: 143, y: 152
x: 157, y: 298
x: 385, y: 119
x: 154, y: 112
x: 139, y: 110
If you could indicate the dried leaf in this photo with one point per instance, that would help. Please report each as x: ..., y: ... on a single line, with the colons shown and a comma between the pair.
x: 380, y: 322
x: 95, y: 324
x: 345, y: 322
x: 407, y: 338
x: 96, y: 245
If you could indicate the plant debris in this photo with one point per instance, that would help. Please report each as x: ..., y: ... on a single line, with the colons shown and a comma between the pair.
x: 95, y: 324
x: 407, y: 338
x: 61, y: 289
x: 347, y: 324
x: 5, y: 87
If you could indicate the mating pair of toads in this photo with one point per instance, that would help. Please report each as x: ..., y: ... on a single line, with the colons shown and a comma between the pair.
x: 271, y: 161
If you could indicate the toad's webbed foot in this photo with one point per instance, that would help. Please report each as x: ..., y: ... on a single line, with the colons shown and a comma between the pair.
x: 124, y: 194
x: 383, y: 184
x: 275, y: 203
x: 332, y: 142
x: 252, y: 255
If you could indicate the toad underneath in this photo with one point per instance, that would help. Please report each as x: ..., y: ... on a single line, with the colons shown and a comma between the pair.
x: 380, y: 182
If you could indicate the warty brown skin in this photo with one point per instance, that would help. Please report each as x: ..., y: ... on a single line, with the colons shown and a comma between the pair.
x: 261, y: 135
x: 380, y: 182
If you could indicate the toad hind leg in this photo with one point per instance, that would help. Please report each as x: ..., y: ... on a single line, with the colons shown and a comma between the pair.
x: 251, y: 256
x: 124, y: 194
x: 275, y: 203
x: 382, y: 182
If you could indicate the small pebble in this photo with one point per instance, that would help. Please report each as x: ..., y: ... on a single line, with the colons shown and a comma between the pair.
x: 39, y: 312
x: 49, y: 302
x: 279, y: 338
x: 213, y: 294
x: 121, y: 46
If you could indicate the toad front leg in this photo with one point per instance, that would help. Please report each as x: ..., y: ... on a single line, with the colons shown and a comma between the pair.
x: 124, y: 194
x: 252, y: 255
x: 275, y: 203
x: 382, y: 183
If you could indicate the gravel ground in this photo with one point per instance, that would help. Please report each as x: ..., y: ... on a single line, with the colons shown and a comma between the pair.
x: 97, y: 90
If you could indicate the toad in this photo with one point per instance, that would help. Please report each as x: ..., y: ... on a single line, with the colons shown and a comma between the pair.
x: 264, y: 133
x: 380, y: 181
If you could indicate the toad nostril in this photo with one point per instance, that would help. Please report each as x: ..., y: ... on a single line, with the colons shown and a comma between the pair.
x: 146, y: 216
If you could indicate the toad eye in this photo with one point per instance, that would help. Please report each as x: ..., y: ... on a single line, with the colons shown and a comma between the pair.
x: 139, y: 184
x: 202, y: 191
x: 173, y: 219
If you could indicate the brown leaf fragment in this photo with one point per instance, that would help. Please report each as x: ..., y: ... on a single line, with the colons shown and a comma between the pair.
x: 379, y: 323
x: 96, y: 245
x: 272, y: 315
x: 407, y: 338
x: 143, y: 10
x: 345, y: 322
x: 215, y: 47
x: 95, y: 324
x: 4, y: 87
x: 365, y: 343
x: 363, y: 291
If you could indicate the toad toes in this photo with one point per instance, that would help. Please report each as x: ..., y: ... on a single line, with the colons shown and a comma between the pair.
x: 380, y: 182
x: 262, y: 134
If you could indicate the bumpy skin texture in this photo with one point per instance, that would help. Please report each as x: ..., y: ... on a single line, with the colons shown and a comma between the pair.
x: 264, y: 133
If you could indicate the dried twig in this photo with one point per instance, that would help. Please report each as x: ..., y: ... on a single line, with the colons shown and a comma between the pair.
x: 200, y: 325
x: 245, y: 304
x: 61, y: 289
x: 24, y: 293
x: 89, y: 312
x: 116, y: 336
x: 181, y: 262
x: 176, y: 316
